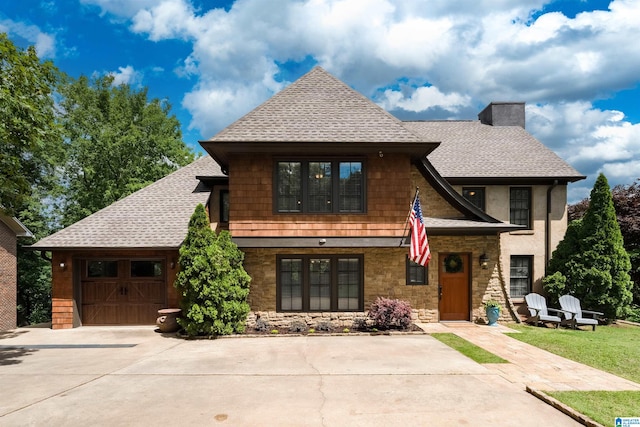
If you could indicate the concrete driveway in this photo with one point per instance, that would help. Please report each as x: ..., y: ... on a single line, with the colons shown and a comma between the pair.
x: 135, y: 376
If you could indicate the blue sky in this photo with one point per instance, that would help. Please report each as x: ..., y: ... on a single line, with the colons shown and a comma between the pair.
x: 575, y: 63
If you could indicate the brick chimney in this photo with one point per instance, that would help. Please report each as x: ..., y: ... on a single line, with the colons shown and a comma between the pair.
x: 503, y: 114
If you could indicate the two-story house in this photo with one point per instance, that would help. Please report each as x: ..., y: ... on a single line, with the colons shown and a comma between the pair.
x: 315, y: 186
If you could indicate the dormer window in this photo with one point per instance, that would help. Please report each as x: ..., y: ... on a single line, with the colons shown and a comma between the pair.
x: 319, y: 186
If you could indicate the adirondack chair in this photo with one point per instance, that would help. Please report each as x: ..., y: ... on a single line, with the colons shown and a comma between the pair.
x: 538, y: 310
x: 574, y: 313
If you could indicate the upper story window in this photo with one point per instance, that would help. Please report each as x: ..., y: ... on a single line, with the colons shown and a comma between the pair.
x: 520, y: 206
x: 224, y: 205
x: 320, y: 186
x: 475, y: 195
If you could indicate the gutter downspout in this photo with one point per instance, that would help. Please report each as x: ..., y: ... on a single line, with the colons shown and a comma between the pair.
x: 547, y: 226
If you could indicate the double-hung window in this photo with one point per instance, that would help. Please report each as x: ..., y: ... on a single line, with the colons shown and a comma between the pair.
x: 520, y: 273
x: 520, y: 206
x: 319, y: 186
x: 319, y: 282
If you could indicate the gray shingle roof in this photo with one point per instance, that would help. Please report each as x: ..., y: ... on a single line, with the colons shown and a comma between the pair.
x: 317, y: 108
x: 156, y: 216
x: 471, y: 149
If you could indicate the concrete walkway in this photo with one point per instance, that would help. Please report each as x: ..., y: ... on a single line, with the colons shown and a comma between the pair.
x: 529, y: 365
x: 135, y: 376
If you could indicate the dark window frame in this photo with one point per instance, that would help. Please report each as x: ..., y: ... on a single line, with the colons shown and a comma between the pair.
x: 514, y: 210
x: 478, y: 190
x: 224, y: 207
x: 528, y: 259
x: 306, y: 279
x: 422, y: 271
x: 336, y: 208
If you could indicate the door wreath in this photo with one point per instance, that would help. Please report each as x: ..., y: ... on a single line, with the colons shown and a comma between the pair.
x: 453, y: 263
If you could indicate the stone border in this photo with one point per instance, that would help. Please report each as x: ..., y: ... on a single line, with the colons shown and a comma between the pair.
x: 579, y: 417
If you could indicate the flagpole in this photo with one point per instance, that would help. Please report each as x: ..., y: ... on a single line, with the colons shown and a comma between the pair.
x: 406, y: 221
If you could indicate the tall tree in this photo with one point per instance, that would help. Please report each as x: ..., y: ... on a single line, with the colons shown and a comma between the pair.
x: 118, y: 141
x: 212, y: 281
x: 591, y: 262
x: 626, y: 201
x: 30, y: 140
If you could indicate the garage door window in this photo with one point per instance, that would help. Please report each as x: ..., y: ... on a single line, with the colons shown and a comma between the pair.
x: 102, y: 269
x: 146, y: 268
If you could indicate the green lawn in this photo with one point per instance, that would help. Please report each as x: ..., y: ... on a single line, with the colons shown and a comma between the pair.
x: 614, y: 349
x: 470, y: 350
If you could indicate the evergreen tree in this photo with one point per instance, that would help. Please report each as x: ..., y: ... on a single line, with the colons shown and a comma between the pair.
x: 212, y: 282
x: 591, y: 262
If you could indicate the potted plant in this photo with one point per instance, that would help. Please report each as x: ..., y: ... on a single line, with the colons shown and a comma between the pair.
x: 492, y: 309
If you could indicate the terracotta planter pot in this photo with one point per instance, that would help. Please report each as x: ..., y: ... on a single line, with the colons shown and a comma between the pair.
x: 168, y: 319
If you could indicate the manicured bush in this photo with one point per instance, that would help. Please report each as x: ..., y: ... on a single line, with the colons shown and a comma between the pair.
x: 387, y: 313
x: 262, y: 325
x: 212, y: 282
x: 591, y: 262
x: 298, y: 327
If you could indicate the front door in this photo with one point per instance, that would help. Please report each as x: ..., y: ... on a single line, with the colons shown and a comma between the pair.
x: 454, y: 282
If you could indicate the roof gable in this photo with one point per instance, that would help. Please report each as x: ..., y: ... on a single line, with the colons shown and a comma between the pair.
x: 472, y: 150
x: 317, y: 108
x: 156, y: 216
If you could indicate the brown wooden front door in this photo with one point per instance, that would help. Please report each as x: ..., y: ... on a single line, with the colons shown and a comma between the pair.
x: 120, y: 298
x: 454, y: 282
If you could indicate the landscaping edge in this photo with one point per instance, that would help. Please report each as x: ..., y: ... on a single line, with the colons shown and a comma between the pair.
x: 579, y: 417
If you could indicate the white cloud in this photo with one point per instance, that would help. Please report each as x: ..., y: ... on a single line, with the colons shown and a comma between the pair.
x: 456, y: 54
x: 592, y: 140
x: 44, y: 43
x: 126, y: 75
x: 422, y: 99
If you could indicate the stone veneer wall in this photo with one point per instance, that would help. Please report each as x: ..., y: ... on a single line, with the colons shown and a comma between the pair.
x: 384, y: 275
x: 8, y: 278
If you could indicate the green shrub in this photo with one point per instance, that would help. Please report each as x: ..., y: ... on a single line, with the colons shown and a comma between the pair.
x: 591, y: 262
x: 212, y: 282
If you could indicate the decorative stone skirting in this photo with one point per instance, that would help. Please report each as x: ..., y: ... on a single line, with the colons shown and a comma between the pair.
x: 336, y: 319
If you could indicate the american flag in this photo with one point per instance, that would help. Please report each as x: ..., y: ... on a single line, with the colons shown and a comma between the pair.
x: 419, y: 251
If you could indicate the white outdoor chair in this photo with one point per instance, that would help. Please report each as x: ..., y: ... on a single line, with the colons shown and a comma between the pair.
x: 538, y: 310
x: 574, y: 313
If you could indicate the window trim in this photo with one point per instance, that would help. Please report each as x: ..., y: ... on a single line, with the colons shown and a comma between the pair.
x: 529, y: 259
x: 479, y: 189
x: 306, y: 282
x: 408, y: 266
x: 335, y: 184
x: 529, y: 225
x: 223, y: 193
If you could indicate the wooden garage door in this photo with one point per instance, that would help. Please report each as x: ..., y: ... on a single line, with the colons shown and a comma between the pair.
x: 122, y: 292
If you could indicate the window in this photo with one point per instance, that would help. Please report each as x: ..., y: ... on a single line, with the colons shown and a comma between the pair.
x: 319, y: 283
x: 520, y: 206
x: 146, y: 268
x: 520, y: 276
x: 416, y: 274
x: 475, y: 195
x: 224, y: 205
x: 322, y: 186
x: 102, y: 268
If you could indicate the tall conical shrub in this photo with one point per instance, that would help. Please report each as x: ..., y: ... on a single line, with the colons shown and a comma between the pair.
x: 591, y: 262
x: 212, y: 281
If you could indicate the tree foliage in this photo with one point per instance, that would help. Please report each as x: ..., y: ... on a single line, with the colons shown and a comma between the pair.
x: 591, y: 262
x: 212, y: 281
x: 626, y: 201
x: 30, y: 143
x: 117, y: 142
